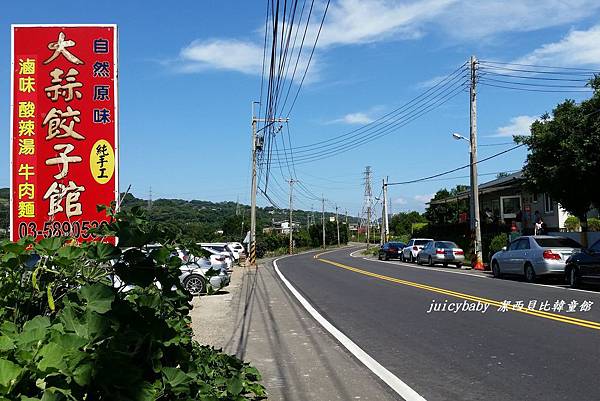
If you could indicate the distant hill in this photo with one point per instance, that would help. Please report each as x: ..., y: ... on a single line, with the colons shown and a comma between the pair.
x: 200, y: 219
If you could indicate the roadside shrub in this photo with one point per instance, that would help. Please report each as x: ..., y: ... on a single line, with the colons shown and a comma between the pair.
x: 593, y: 224
x: 572, y: 223
x: 68, y: 332
x: 497, y: 243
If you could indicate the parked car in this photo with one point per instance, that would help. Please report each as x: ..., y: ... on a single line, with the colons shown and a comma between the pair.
x: 533, y: 256
x: 197, y: 273
x: 410, y: 252
x: 390, y: 250
x: 222, y: 256
x: 444, y: 252
x: 237, y: 247
x: 584, y: 266
x: 223, y: 248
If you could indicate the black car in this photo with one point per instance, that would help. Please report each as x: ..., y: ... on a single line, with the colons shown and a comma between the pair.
x: 390, y: 250
x: 584, y: 266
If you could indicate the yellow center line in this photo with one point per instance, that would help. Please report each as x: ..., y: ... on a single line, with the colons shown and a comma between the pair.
x: 546, y: 315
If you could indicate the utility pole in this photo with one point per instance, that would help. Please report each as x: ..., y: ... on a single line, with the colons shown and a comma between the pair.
x: 384, y: 221
x: 368, y: 203
x: 257, y: 144
x: 323, y: 217
x: 386, y: 205
x: 475, y: 220
x: 291, y: 223
x: 150, y: 198
x: 347, y: 228
x: 337, y: 223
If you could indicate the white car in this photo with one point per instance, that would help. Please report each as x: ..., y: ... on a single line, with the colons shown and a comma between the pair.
x: 221, y: 256
x: 237, y: 247
x: 412, y: 248
x: 223, y: 248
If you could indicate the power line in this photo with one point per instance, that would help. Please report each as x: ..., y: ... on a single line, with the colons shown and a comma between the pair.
x: 456, y: 169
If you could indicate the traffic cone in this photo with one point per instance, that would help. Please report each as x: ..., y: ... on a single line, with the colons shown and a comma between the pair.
x: 478, y: 265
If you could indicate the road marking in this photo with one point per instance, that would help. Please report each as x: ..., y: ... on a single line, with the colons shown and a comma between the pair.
x: 546, y: 315
x: 403, y: 389
x: 558, y: 287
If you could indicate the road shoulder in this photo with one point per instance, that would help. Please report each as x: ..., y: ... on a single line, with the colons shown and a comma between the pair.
x: 258, y: 320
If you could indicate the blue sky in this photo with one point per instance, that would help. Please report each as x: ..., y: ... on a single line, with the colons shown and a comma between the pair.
x: 189, y: 72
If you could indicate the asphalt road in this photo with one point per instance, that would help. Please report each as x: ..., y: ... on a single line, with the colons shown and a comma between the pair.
x: 492, y: 355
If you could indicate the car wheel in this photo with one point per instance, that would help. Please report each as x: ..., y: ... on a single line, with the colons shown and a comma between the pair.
x: 529, y: 273
x: 386, y: 256
x: 573, y: 278
x: 419, y: 260
x: 195, y: 284
x: 379, y: 256
x: 412, y: 258
x: 496, y: 270
x: 429, y: 261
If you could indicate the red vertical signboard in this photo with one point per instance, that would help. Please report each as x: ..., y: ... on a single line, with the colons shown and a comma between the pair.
x: 64, y: 137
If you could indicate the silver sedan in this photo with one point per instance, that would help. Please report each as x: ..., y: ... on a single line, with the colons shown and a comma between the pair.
x: 533, y: 256
x: 441, y: 252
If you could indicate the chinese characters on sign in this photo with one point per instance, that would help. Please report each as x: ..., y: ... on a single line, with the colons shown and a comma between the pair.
x: 64, y: 97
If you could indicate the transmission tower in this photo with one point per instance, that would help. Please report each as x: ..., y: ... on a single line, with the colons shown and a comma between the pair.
x: 368, y: 203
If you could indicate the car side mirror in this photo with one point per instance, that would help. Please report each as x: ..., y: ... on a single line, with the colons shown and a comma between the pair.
x: 504, y: 248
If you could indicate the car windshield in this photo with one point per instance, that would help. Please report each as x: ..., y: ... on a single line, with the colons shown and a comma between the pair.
x: 397, y: 244
x: 446, y: 245
x: 557, y: 243
x: 421, y: 241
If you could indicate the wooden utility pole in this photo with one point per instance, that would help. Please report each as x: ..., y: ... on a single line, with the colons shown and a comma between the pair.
x: 257, y: 143
x: 475, y: 220
x: 291, y: 221
x: 323, y: 218
x: 337, y: 223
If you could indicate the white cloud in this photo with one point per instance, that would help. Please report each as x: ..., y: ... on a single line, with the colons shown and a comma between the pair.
x: 360, y: 21
x: 472, y: 20
x: 220, y: 54
x: 519, y: 125
x: 352, y: 22
x: 400, y: 201
x: 353, y: 118
x: 577, y: 48
x: 424, y: 198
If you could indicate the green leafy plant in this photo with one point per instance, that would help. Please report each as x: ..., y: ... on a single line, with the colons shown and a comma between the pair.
x: 594, y: 224
x: 94, y: 321
x: 572, y: 223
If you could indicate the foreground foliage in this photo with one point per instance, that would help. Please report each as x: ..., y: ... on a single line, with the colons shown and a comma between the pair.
x: 68, y: 332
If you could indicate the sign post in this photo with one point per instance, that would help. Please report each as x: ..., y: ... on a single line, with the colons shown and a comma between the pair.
x: 64, y: 129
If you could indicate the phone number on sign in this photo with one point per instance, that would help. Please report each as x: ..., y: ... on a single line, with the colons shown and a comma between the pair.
x: 74, y: 229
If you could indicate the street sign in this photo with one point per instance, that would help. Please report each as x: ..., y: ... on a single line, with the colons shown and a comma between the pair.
x: 64, y: 129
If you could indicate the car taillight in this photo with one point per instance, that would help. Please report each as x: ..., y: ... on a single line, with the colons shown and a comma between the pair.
x: 415, y: 248
x: 461, y: 252
x: 548, y: 254
x: 439, y: 251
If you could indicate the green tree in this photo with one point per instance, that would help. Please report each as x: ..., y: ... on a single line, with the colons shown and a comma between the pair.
x: 564, y: 155
x: 402, y: 223
x: 446, y: 213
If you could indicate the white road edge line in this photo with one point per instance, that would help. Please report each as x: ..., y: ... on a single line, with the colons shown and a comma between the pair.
x: 388, y: 377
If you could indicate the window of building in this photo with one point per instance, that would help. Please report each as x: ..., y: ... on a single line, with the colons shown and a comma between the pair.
x: 548, y: 204
x: 510, y: 206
